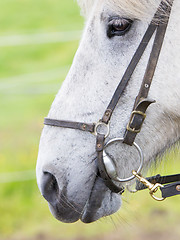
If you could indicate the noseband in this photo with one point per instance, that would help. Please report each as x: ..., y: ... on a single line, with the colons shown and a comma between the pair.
x: 106, y: 165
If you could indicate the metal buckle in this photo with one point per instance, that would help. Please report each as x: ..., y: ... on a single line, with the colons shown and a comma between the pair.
x: 130, y: 121
x: 110, y: 165
x: 101, y: 124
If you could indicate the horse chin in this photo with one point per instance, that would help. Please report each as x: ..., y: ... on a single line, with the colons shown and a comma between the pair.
x: 101, y: 203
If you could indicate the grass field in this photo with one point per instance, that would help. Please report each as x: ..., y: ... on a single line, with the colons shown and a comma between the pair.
x: 30, y: 76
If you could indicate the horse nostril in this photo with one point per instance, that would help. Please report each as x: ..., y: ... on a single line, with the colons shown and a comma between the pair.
x: 50, y: 189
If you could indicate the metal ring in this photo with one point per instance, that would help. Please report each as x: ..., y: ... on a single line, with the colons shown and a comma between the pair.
x: 140, y: 155
x: 101, y: 124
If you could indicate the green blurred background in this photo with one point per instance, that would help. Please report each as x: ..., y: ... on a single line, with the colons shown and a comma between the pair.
x: 38, y: 39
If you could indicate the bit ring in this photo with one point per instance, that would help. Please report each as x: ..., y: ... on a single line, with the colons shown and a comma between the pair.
x: 116, y: 178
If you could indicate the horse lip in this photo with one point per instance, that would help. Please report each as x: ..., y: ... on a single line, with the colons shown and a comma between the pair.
x: 89, y: 213
x: 87, y: 216
x: 69, y: 215
x: 66, y: 216
x: 94, y: 205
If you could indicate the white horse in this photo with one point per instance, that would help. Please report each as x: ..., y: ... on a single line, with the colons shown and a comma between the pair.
x: 67, y: 163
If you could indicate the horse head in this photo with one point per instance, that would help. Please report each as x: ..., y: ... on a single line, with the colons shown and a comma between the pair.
x: 67, y: 167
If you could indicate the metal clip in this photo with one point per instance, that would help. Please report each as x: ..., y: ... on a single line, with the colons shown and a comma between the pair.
x: 129, y: 128
x: 152, y: 187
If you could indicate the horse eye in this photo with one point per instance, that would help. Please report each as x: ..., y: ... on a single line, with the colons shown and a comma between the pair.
x: 118, y: 26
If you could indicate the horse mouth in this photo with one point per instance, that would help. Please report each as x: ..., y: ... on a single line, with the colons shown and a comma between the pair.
x: 102, y: 202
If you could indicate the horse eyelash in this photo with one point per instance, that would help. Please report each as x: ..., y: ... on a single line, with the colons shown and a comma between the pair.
x: 113, y: 32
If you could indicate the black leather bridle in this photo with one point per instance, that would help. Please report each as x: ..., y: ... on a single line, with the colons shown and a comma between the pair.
x: 106, y: 166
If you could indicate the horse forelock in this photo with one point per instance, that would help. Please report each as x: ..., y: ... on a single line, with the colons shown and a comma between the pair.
x: 139, y: 9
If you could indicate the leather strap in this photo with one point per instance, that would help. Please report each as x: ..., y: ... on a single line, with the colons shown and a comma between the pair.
x: 167, y: 190
x: 170, y: 190
x: 153, y: 60
x: 158, y: 179
x: 102, y: 169
x: 137, y: 121
x: 128, y: 73
x: 88, y: 127
x: 161, y: 29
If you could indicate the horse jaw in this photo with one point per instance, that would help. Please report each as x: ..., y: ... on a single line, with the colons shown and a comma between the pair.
x: 69, y: 155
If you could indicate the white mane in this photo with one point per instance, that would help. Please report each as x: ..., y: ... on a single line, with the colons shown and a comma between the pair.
x: 138, y: 9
